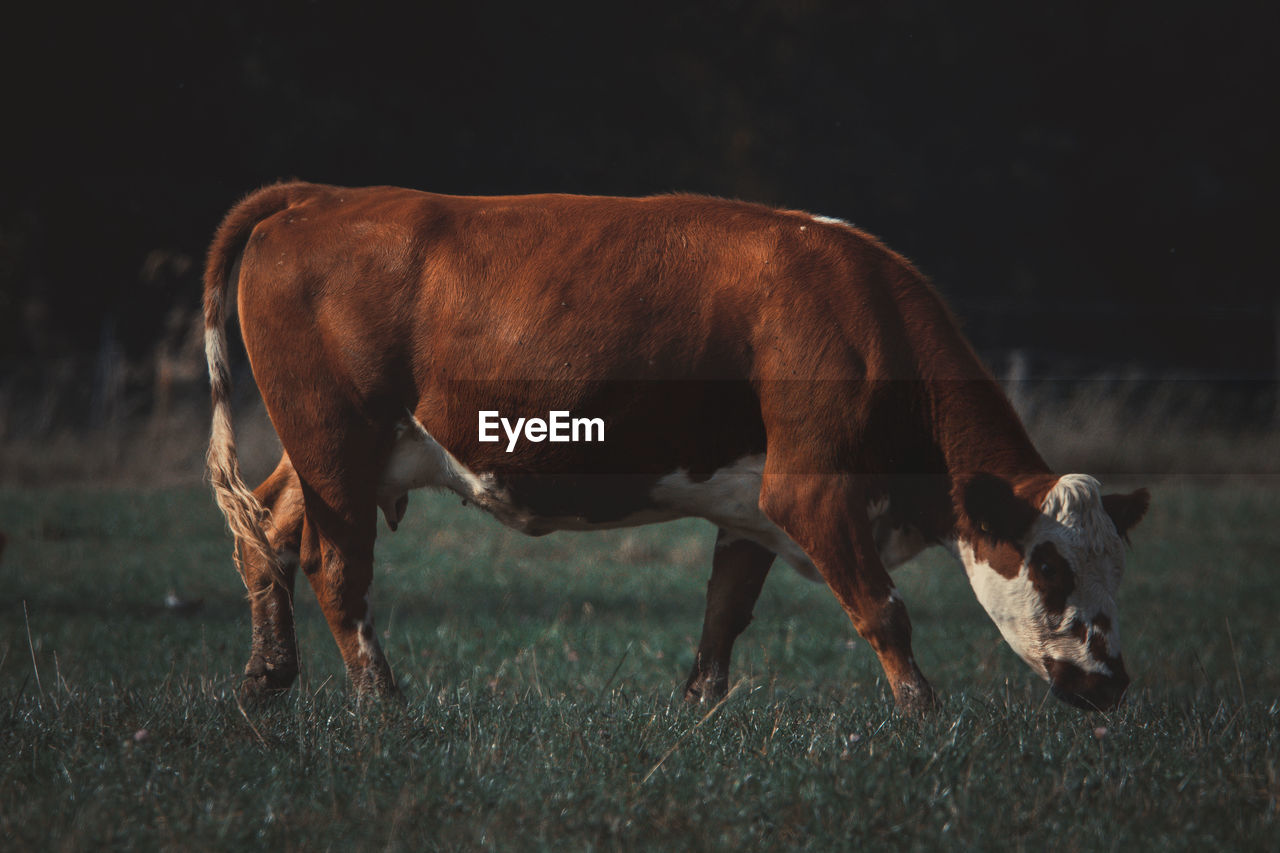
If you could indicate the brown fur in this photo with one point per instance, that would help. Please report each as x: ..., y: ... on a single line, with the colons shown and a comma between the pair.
x: 738, y: 572
x: 1054, y: 585
x: 702, y: 330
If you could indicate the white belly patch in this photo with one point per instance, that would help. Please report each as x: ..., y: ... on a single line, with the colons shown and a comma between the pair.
x: 730, y: 498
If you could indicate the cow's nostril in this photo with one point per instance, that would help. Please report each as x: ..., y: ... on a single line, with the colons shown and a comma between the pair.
x: 1091, y: 691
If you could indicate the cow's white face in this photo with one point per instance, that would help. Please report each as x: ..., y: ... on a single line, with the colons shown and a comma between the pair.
x: 1048, y: 579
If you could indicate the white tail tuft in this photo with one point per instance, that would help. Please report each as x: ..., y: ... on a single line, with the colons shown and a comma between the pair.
x: 244, y: 512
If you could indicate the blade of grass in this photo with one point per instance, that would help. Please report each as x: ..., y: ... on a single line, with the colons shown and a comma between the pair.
x: 30, y: 645
x: 680, y: 741
x: 235, y: 695
x: 1235, y: 659
x: 614, y: 674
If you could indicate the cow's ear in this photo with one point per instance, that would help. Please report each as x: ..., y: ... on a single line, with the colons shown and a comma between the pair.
x: 990, y: 508
x: 1126, y: 510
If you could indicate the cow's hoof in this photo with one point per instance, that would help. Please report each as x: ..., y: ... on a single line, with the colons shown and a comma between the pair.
x: 703, y: 694
x: 383, y: 701
x: 705, y: 688
x: 260, y: 691
x: 375, y: 684
x: 263, y: 682
x: 915, y: 699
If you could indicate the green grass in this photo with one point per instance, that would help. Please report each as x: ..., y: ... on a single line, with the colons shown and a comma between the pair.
x: 543, y: 677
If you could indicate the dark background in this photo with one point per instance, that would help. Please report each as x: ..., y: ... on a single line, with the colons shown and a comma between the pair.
x: 1095, y: 185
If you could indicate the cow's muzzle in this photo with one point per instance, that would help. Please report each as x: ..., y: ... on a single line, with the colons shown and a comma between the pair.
x: 1091, y: 691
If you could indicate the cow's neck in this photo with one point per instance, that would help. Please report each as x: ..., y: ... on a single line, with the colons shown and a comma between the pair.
x: 973, y: 426
x: 977, y: 430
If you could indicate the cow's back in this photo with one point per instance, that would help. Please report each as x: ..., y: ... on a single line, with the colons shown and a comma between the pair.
x: 667, y: 313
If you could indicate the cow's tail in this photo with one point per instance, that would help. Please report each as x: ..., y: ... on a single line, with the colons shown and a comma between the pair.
x: 244, y: 513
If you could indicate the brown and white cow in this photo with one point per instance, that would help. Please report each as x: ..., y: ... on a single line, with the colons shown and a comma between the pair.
x: 784, y: 376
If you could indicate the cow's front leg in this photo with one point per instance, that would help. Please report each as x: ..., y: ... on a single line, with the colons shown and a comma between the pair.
x: 273, y: 657
x: 738, y: 570
x: 826, y: 514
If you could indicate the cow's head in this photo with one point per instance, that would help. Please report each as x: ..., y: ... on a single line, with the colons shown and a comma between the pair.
x: 1045, y: 558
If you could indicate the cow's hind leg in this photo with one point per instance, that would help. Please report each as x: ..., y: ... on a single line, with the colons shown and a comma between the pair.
x: 273, y: 658
x: 333, y: 411
x: 738, y: 570
x: 337, y: 558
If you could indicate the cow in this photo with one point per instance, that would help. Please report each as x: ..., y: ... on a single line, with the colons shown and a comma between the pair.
x: 785, y: 376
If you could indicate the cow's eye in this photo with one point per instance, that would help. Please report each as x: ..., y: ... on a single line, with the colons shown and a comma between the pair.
x: 1049, y: 568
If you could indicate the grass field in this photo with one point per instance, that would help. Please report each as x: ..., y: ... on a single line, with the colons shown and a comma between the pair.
x: 543, y: 706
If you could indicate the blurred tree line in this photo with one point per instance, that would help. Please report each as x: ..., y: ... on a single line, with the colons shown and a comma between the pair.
x: 1092, y: 179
